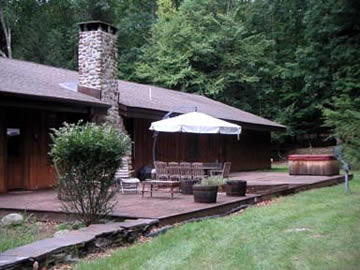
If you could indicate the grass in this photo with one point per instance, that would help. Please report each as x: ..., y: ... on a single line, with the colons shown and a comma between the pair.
x: 316, y: 229
x: 31, y: 230
x: 18, y: 235
x: 280, y: 167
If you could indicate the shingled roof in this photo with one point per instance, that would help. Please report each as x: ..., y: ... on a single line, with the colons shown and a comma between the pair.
x: 157, y: 98
x: 26, y: 79
x: 41, y: 81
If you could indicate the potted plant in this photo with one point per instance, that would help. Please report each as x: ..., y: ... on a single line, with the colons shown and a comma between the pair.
x: 235, y: 187
x: 206, y: 191
x: 186, y: 185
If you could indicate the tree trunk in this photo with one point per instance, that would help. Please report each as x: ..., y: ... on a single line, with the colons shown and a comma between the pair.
x: 7, y: 33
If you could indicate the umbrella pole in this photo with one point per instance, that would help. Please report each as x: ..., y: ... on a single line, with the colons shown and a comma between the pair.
x: 156, y: 133
x: 155, y: 136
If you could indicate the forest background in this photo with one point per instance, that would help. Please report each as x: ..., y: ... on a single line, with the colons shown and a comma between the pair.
x: 296, y: 62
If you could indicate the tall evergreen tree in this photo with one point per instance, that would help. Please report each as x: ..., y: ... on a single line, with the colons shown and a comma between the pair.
x: 204, y: 47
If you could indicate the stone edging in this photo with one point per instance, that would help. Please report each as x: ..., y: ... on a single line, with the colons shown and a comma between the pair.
x: 75, y: 244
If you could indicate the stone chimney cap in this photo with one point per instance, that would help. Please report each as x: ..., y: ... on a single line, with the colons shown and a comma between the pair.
x: 95, y: 25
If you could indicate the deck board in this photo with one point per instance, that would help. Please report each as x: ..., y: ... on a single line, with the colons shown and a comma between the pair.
x: 182, y: 207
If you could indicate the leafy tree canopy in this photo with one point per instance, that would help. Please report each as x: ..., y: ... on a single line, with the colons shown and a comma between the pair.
x: 288, y: 61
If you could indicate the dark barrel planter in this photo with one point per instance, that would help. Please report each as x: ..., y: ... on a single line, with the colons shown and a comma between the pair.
x: 235, y: 188
x: 205, y: 194
x: 186, y: 186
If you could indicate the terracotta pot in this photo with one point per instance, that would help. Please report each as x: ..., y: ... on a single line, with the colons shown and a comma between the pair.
x: 205, y: 194
x: 186, y: 186
x: 235, y: 188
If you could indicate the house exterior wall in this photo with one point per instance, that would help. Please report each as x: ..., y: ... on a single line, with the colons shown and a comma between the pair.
x: 251, y: 152
x: 31, y: 168
x: 3, y: 187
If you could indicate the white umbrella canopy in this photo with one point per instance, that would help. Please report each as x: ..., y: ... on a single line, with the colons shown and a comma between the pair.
x: 196, y: 122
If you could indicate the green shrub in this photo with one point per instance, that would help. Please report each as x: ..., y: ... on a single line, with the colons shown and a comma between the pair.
x: 212, y: 181
x: 86, y: 158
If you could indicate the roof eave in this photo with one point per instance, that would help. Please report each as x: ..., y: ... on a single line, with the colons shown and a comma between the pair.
x: 68, y: 101
x: 148, y: 113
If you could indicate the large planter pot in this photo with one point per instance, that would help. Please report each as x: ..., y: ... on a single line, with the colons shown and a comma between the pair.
x: 186, y: 186
x: 235, y: 188
x: 205, y: 194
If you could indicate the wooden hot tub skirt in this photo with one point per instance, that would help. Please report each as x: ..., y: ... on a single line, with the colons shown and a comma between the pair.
x: 313, y: 165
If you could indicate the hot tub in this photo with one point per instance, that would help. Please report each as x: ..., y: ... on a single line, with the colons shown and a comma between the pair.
x: 313, y: 165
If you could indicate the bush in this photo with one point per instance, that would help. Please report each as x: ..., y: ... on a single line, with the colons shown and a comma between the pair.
x: 86, y: 158
x: 212, y: 181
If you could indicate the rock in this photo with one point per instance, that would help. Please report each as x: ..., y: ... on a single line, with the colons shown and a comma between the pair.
x: 61, y: 232
x: 102, y: 243
x: 35, y: 265
x: 298, y: 230
x: 71, y: 259
x: 12, y: 219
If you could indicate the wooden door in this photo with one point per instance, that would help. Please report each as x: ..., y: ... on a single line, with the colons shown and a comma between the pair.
x: 15, y: 158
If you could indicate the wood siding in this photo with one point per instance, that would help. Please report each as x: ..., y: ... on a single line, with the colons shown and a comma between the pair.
x: 3, y: 187
x: 33, y: 168
x: 251, y: 152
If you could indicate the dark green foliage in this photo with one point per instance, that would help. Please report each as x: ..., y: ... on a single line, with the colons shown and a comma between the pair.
x: 329, y: 59
x: 134, y: 19
x: 344, y: 118
x: 284, y: 60
x: 204, y: 48
x: 87, y: 157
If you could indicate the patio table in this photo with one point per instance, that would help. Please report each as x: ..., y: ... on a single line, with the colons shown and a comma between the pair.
x: 158, y: 184
x: 208, y: 168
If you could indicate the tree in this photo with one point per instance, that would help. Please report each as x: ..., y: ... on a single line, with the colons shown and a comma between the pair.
x: 204, y: 48
x: 134, y: 19
x: 6, y: 30
x: 328, y: 59
x: 344, y: 119
x: 87, y: 158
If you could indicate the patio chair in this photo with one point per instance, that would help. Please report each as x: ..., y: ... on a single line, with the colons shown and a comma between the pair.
x: 224, y: 172
x: 161, y: 169
x: 197, y: 170
x: 129, y: 185
x: 185, y: 170
x: 174, y: 171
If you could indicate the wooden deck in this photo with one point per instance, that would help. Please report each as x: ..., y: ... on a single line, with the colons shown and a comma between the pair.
x: 181, y: 207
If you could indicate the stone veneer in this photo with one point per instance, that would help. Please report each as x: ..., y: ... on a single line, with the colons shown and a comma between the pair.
x: 98, y: 66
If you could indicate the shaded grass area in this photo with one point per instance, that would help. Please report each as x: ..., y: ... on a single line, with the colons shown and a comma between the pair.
x: 31, y: 230
x: 283, y: 168
x: 316, y: 229
x: 14, y: 236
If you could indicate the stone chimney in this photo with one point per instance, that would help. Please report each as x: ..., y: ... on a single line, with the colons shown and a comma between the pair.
x: 98, y: 67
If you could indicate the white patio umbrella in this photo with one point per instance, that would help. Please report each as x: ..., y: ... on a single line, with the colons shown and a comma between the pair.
x: 196, y: 122
x: 193, y: 122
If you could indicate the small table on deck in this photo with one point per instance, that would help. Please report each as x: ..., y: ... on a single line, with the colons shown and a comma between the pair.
x: 159, y: 183
x: 208, y: 168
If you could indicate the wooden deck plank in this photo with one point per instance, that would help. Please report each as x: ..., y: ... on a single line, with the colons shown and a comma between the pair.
x: 181, y: 207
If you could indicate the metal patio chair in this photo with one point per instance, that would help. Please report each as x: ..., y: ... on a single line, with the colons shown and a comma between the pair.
x: 197, y: 170
x: 185, y: 170
x: 174, y: 171
x: 162, y: 172
x: 224, y: 172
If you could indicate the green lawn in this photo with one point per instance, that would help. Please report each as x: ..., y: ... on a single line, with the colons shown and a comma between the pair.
x: 14, y: 236
x: 317, y: 229
x: 31, y: 230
